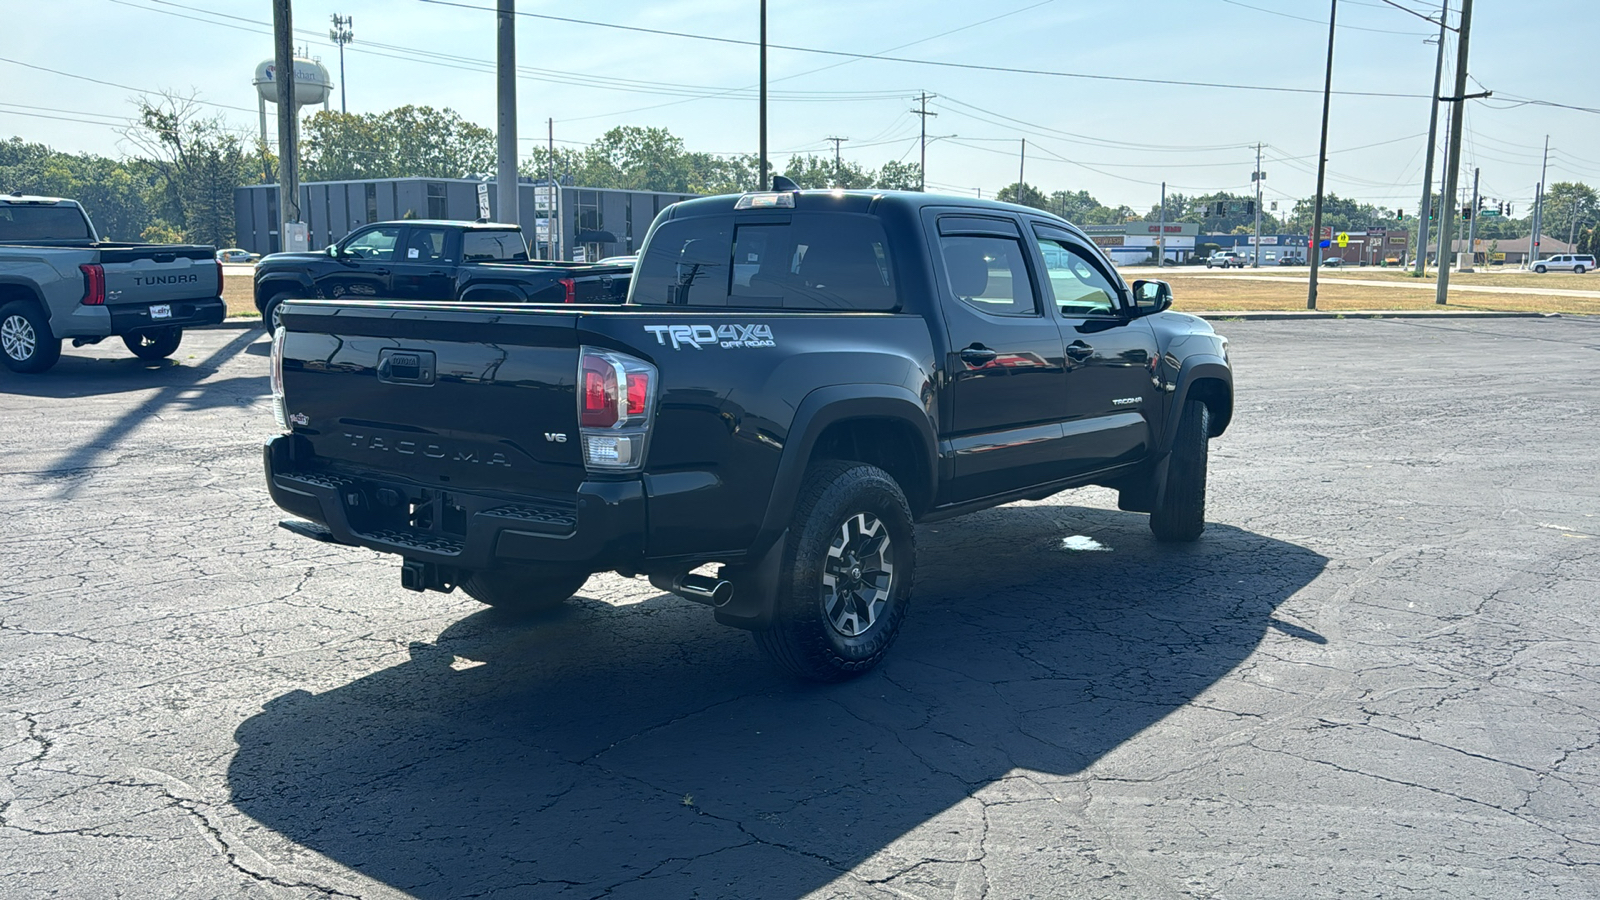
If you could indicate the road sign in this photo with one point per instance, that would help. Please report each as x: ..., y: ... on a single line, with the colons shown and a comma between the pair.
x: 1489, y: 213
x: 1344, y: 239
x: 483, y: 199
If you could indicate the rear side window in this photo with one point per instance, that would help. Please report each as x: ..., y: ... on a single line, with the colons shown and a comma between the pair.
x: 988, y: 274
x: 42, y: 223
x: 686, y: 263
x: 490, y: 246
x: 812, y: 262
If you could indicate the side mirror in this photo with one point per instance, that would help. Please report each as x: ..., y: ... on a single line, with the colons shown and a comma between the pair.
x: 1151, y: 297
x: 332, y: 250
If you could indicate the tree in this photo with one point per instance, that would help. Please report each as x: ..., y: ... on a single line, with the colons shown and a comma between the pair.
x: 405, y: 142
x: 899, y: 176
x: 1568, y: 205
x: 810, y: 171
x: 111, y: 191
x: 1024, y: 194
x: 197, y: 163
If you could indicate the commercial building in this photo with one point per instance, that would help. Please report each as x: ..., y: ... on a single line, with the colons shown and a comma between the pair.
x: 594, y: 222
x: 1360, y: 248
x: 1134, y: 243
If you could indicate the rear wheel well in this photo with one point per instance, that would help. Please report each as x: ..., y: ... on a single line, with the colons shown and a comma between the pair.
x: 893, y: 446
x: 1214, y: 393
x: 11, y: 292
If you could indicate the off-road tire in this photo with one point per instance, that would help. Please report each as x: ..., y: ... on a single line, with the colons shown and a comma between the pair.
x: 841, y: 510
x: 524, y: 589
x: 1180, y: 514
x: 154, y: 344
x: 26, y: 343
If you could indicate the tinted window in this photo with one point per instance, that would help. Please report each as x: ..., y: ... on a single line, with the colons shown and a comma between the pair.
x: 1078, y: 286
x: 481, y: 246
x: 378, y: 243
x: 988, y: 274
x: 424, y: 245
x: 43, y: 223
x: 812, y: 262
x: 686, y: 262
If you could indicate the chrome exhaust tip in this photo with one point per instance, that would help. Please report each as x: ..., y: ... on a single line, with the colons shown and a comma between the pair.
x: 698, y: 588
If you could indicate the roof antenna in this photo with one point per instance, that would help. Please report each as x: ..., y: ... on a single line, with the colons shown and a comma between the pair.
x: 782, y: 184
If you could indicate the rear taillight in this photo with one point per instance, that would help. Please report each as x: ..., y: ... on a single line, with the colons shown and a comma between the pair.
x: 94, y: 284
x: 280, y: 404
x: 571, y: 287
x: 616, y: 393
x: 219, y: 278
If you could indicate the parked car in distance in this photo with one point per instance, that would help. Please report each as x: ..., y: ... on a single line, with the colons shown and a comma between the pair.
x: 59, y: 281
x: 1332, y: 262
x: 235, y: 255
x: 1226, y: 259
x: 1291, y: 260
x: 432, y: 259
x: 1577, y: 263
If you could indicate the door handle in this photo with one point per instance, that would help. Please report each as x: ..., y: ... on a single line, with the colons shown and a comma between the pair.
x: 380, y: 271
x: 978, y: 355
x: 1079, y: 351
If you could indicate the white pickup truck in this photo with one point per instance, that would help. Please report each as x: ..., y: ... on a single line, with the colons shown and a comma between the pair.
x: 59, y: 281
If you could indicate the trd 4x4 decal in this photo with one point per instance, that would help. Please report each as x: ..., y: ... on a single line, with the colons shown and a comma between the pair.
x: 702, y: 336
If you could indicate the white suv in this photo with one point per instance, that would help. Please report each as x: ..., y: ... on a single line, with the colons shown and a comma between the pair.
x: 1577, y: 263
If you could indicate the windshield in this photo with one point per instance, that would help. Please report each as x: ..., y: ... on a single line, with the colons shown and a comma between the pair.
x: 21, y: 224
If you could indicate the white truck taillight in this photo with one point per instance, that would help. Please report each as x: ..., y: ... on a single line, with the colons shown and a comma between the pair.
x: 280, y: 406
x: 616, y: 398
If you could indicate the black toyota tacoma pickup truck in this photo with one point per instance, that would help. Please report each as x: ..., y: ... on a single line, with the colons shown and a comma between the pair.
x: 796, y: 379
x: 433, y: 259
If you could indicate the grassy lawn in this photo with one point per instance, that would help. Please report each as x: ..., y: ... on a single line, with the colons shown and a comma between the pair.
x: 1561, y: 281
x: 239, y: 294
x: 1195, y: 293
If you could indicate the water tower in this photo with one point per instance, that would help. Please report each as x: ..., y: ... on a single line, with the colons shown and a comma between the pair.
x: 312, y: 84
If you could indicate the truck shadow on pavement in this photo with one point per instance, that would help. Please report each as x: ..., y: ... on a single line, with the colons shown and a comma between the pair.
x: 644, y: 751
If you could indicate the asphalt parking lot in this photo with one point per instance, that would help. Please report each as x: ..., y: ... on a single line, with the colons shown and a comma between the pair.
x: 1374, y: 676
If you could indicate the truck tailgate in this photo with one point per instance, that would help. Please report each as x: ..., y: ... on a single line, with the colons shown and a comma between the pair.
x: 437, y: 393
x: 152, y: 275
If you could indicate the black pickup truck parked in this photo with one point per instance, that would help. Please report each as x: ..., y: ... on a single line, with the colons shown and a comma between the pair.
x: 796, y: 379
x: 427, y: 259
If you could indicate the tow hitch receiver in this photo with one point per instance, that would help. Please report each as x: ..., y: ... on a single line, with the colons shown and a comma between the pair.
x: 416, y: 575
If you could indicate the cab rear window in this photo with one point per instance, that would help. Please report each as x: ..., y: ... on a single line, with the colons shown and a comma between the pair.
x: 799, y: 262
x: 492, y: 246
x: 43, y: 223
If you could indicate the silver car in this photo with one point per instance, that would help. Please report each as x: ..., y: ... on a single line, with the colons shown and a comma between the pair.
x: 1577, y: 263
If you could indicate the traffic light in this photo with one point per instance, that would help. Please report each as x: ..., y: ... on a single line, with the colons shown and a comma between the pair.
x: 1500, y: 207
x: 1400, y: 215
x: 1466, y: 213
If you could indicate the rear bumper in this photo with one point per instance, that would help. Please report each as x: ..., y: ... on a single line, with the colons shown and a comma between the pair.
x: 601, y: 527
x: 134, y: 318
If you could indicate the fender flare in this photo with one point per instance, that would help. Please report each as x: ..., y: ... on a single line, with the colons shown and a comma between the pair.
x: 1196, y: 368
x: 503, y: 293
x: 32, y: 288
x: 273, y: 284
x: 828, y: 406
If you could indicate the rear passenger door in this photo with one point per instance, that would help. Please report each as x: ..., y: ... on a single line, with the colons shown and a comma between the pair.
x: 1113, y: 401
x: 425, y: 263
x: 1006, y: 394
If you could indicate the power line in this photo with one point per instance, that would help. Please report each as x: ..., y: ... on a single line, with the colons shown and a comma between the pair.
x: 126, y: 87
x: 1320, y: 22
x: 930, y: 62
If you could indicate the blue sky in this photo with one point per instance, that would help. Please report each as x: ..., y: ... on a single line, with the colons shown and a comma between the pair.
x: 1116, y: 139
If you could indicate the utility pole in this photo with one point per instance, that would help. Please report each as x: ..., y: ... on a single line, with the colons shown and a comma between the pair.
x: 1314, y: 256
x: 342, y: 34
x: 1022, y: 167
x: 1538, y: 208
x: 1426, y: 206
x: 922, y: 167
x: 1161, y: 236
x: 506, y: 84
x: 553, y: 235
x: 1452, y: 165
x: 838, y: 170
x: 288, y: 122
x: 1257, y: 178
x: 1472, y: 227
x: 761, y: 179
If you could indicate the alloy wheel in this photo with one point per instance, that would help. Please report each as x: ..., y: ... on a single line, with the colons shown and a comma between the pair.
x: 18, y: 338
x: 858, y: 575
